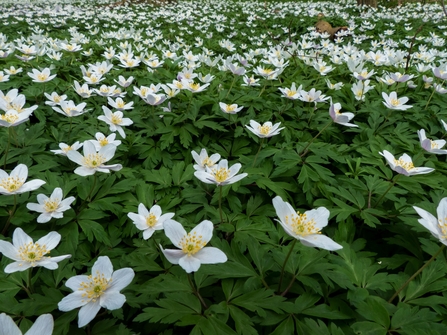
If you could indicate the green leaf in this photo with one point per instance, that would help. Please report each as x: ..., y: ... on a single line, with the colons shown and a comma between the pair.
x: 94, y: 230
x: 368, y: 328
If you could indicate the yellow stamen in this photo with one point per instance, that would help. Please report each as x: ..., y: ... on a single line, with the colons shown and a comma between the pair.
x: 151, y: 220
x: 51, y: 205
x: 221, y: 174
x: 403, y: 164
x: 32, y: 252
x: 11, y: 183
x: 301, y: 225
x: 94, y: 287
x: 264, y: 129
x: 94, y: 160
x: 192, y: 243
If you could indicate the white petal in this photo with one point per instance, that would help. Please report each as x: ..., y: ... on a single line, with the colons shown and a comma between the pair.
x: 120, y: 279
x: 20, y: 238
x: 44, y: 325
x: 147, y: 234
x: 7, y: 326
x: 428, y: 220
x: 113, y: 300
x: 204, y: 229
x: 174, y: 231
x: 320, y: 241
x: 71, y: 301
x: 320, y: 215
x: 103, y: 266
x: 88, y: 312
x: 211, y: 255
x: 172, y: 255
x: 75, y: 282
x: 20, y: 171
x: 189, y: 263
x: 51, y: 240
x: 75, y: 157
x: 142, y: 210
x: 8, y: 250
x: 31, y: 185
x: 17, y: 266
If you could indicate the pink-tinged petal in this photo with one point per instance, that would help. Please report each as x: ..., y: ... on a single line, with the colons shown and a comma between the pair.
x: 7, y: 326
x: 75, y: 157
x: 172, y: 255
x: 174, y: 231
x: 51, y: 240
x: 211, y: 255
x: 189, y: 263
x: 44, y: 325
x: 320, y: 215
x: 8, y: 250
x: 103, y: 266
x: 20, y: 171
x: 20, y: 238
x: 204, y: 230
x: 17, y: 266
x: 320, y: 241
x: 112, y: 300
x: 75, y: 282
x: 71, y: 301
x: 120, y: 279
x: 88, y: 312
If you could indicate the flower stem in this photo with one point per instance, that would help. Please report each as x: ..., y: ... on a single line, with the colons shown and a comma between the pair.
x: 416, y: 273
x: 262, y: 91
x: 7, y: 147
x: 91, y: 190
x: 231, y: 86
x: 284, y: 265
x: 196, y: 292
x: 11, y: 214
x: 387, y: 190
x: 220, y: 204
x: 29, y: 284
x: 304, y: 152
x: 259, y: 150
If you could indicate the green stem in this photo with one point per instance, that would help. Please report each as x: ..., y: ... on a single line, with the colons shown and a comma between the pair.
x: 196, y: 292
x: 284, y: 265
x: 304, y: 152
x: 416, y: 273
x: 7, y: 147
x: 288, y: 286
x: 29, y: 283
x: 220, y: 204
x: 93, y: 187
x: 262, y: 91
x: 231, y: 86
x: 387, y: 190
x: 259, y: 150
x: 11, y: 214
x: 431, y: 96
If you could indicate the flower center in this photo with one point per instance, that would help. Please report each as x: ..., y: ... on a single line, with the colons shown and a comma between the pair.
x: 194, y: 86
x: 291, y: 93
x: 403, y: 164
x: 264, y: 130
x: 191, y: 243
x: 51, y: 205
x: 221, y: 175
x: 434, y: 145
x: 67, y: 149
x: 32, y: 252
x: 301, y: 225
x: 94, y: 287
x: 9, y: 117
x: 57, y: 98
x: 11, y: 184
x: 207, y: 162
x: 116, y: 119
x: 443, y: 226
x: 103, y: 141
x: 151, y: 220
x: 94, y: 160
x: 230, y: 108
x: 394, y: 102
x: 42, y: 76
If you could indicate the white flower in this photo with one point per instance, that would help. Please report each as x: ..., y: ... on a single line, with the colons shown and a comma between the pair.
x: 27, y: 254
x: 66, y: 148
x: 305, y: 227
x: 102, y: 140
x: 43, y: 326
x: 115, y: 120
x: 123, y: 82
x: 54, y: 99
x: 230, y: 109
x: 15, y: 182
x: 52, y: 207
x: 149, y: 221
x: 41, y: 76
x: 84, y: 91
x: 92, y: 160
x: 431, y: 146
x: 100, y: 289
x: 12, y: 118
x: 341, y: 118
x: 404, y: 164
x: 436, y: 226
x: 119, y: 104
x: 69, y: 109
x: 291, y: 93
x: 392, y: 102
x: 220, y: 174
x: 266, y: 130
x: 193, y: 252
x: 203, y: 161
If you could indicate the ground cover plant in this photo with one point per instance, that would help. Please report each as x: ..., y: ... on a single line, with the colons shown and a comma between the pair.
x: 222, y: 168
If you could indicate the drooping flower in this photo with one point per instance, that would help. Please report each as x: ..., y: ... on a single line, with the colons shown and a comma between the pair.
x: 203, y: 161
x: 404, y: 165
x: 115, y: 120
x: 431, y: 146
x: 149, y: 221
x: 92, y: 160
x: 306, y: 226
x: 28, y: 254
x: 51, y: 207
x: 192, y: 251
x: 100, y: 289
x: 43, y: 325
x: 341, y: 118
x: 436, y: 226
x: 392, y: 102
x: 220, y: 174
x: 265, y: 130
x: 14, y: 183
